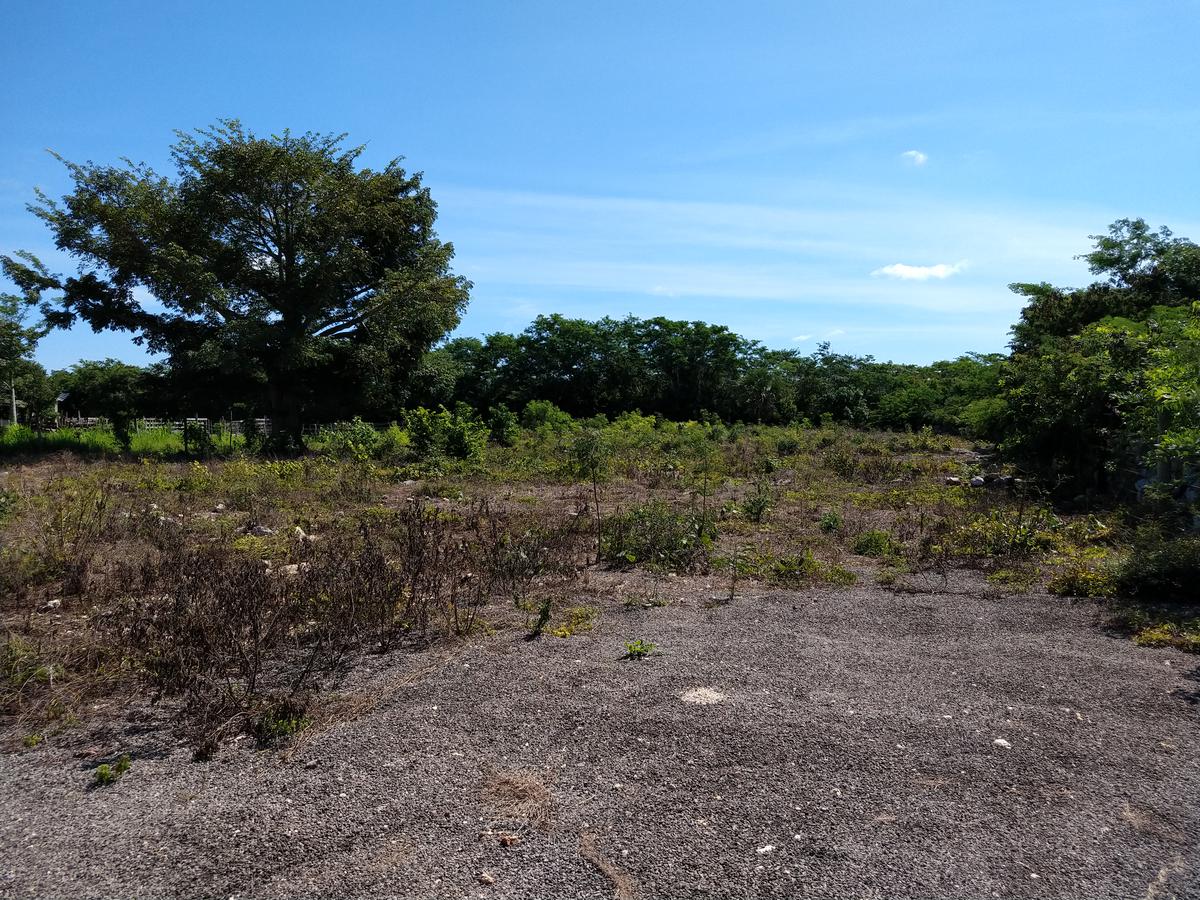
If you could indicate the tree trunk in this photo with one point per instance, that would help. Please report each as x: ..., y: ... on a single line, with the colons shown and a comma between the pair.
x: 286, y: 427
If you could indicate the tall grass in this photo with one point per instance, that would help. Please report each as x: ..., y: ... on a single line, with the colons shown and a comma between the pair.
x: 20, y: 439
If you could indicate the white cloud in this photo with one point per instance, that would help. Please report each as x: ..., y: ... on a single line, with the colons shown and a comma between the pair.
x: 914, y: 157
x: 837, y: 332
x: 801, y: 338
x: 920, y: 273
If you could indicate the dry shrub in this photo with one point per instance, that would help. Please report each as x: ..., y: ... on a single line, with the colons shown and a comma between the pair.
x: 220, y: 629
x: 519, y: 800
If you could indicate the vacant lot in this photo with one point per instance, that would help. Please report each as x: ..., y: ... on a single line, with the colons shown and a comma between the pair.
x: 808, y: 662
x: 848, y: 747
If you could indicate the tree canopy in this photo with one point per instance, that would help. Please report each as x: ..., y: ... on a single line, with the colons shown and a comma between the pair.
x: 276, y: 261
x: 1104, y: 381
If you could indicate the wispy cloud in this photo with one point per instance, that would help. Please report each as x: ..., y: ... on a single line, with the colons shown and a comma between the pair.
x: 822, y: 134
x: 914, y: 157
x: 801, y: 338
x: 920, y: 273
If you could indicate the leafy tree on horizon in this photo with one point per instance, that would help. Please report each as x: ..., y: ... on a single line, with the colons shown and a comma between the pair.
x: 17, y: 339
x: 275, y: 260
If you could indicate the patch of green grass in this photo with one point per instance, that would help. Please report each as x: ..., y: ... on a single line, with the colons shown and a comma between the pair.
x: 280, y: 721
x: 1158, y: 625
x: 1022, y: 580
x: 1180, y: 635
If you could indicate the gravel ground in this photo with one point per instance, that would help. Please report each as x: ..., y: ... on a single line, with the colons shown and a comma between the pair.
x: 855, y: 743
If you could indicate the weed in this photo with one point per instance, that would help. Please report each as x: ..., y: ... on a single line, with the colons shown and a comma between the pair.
x: 760, y: 501
x: 876, y: 543
x: 279, y: 721
x: 639, y: 649
x: 1171, y: 634
x: 1081, y: 579
x: 658, y: 537
x: 575, y: 619
x: 106, y: 774
x: 830, y: 522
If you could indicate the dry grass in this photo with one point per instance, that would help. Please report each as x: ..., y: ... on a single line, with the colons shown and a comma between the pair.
x: 518, y: 800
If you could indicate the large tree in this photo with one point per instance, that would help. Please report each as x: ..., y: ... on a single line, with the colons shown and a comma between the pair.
x: 274, y: 259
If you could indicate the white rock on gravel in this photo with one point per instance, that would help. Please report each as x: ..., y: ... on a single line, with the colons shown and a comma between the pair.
x: 767, y: 849
x: 1001, y: 742
x: 704, y: 696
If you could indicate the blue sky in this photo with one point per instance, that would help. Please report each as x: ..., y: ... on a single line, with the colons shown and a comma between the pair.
x: 871, y: 174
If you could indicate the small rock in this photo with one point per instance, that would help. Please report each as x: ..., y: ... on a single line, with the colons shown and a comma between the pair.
x: 219, y: 508
x: 977, y: 481
x: 1001, y: 742
x: 486, y: 878
x: 767, y: 849
x: 260, y: 530
x: 953, y: 480
x: 53, y: 604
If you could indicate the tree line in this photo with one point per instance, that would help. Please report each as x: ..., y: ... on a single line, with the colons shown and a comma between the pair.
x: 288, y: 281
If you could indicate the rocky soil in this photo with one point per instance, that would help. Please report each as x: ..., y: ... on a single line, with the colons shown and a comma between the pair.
x: 856, y: 743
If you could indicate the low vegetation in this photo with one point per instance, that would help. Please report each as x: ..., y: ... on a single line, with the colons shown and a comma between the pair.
x: 236, y: 590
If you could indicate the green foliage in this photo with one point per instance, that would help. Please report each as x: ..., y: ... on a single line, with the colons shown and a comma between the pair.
x: 458, y: 434
x: 355, y: 439
x: 1106, y: 379
x: 106, y: 774
x: 656, y: 536
x: 1161, y: 568
x: 503, y: 425
x: 639, y: 648
x: 759, y: 502
x: 876, y: 543
x: 1184, y: 637
x: 275, y: 264
x: 544, y: 415
x: 574, y: 619
x: 1080, y: 578
x: 545, y: 609
x: 280, y: 720
x: 830, y: 522
x: 997, y: 534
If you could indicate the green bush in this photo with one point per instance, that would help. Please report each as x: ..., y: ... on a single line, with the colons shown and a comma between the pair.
x: 503, y: 425
x: 1079, y: 579
x: 544, y: 414
x: 655, y: 535
x: 997, y: 535
x: 830, y: 522
x: 355, y: 439
x: 1161, y: 568
x: 876, y: 543
x: 458, y: 434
